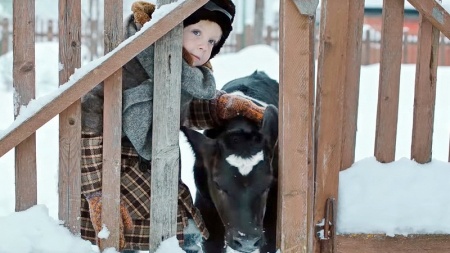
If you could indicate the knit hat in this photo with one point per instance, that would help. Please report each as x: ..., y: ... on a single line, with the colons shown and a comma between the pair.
x: 218, y: 11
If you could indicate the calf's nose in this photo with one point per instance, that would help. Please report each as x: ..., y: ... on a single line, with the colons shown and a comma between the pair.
x: 246, y: 244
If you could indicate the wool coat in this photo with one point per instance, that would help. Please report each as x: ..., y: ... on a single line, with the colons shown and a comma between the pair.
x: 198, y: 110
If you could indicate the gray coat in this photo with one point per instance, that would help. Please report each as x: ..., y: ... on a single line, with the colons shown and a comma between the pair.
x: 137, y: 81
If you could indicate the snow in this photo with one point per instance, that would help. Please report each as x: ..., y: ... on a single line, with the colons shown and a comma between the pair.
x: 402, y: 197
x: 397, y: 198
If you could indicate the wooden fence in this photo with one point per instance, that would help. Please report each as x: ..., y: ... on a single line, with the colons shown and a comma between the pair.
x: 46, y: 30
x: 370, y: 54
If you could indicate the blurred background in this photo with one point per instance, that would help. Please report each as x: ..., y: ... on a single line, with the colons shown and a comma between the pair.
x: 256, y: 22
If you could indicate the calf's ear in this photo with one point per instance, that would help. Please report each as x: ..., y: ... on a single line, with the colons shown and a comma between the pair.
x: 201, y: 145
x: 269, y: 127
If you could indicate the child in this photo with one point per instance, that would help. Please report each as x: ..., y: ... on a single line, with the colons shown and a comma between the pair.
x: 202, y: 107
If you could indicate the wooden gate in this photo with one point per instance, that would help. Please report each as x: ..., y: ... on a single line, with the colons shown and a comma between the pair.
x: 336, y: 111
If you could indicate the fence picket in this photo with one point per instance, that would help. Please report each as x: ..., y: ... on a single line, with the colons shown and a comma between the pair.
x: 69, y: 120
x: 24, y: 91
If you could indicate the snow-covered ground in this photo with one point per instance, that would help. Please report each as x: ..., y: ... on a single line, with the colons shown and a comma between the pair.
x: 396, y: 198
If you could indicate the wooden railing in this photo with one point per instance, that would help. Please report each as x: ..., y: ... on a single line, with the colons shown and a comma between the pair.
x: 66, y: 102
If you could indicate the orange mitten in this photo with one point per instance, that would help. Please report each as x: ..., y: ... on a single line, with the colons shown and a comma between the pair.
x: 95, y: 211
x: 142, y: 11
x: 230, y: 106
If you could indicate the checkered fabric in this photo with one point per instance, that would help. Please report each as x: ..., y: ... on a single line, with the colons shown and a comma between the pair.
x: 135, y: 190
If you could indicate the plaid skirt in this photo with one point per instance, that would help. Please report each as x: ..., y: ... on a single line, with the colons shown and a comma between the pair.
x: 135, y: 193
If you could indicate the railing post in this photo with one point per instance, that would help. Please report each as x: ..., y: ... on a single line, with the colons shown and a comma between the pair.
x: 69, y: 180
x: 296, y: 155
x: 5, y: 37
x: 112, y: 127
x: 24, y: 76
x: 165, y: 151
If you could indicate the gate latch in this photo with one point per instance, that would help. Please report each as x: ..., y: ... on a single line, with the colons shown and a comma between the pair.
x: 325, y: 229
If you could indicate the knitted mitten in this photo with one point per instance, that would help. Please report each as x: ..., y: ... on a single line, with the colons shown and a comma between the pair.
x: 142, y: 11
x: 230, y: 106
x: 95, y: 211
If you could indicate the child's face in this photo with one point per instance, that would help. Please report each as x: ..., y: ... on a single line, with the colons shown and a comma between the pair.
x: 199, y: 40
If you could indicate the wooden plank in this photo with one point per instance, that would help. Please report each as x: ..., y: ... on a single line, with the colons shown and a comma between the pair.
x: 388, y: 93
x: 331, y: 78
x: 435, y: 13
x: 5, y: 36
x: 296, y: 150
x: 351, y: 88
x: 112, y: 128
x: 94, y: 74
x: 24, y: 91
x: 398, y: 244
x: 425, y: 92
x: 69, y: 184
x: 166, y: 125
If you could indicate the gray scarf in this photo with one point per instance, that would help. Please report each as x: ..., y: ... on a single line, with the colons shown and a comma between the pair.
x: 137, y: 116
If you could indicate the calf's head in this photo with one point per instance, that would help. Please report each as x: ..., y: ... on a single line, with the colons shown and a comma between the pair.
x: 237, y: 164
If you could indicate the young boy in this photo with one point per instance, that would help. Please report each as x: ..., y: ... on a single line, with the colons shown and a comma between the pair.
x: 202, y: 107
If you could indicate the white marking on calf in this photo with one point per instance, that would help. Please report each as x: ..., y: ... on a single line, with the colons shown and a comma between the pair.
x: 245, y: 165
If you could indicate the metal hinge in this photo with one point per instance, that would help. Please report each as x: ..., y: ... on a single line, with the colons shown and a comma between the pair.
x: 326, y: 229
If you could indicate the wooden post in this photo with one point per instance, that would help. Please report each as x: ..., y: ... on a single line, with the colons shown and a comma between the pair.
x: 388, y: 94
x: 24, y: 76
x: 425, y: 92
x: 69, y: 186
x: 442, y: 49
x: 258, y: 29
x: 249, y: 36
x: 112, y: 128
x: 5, y: 37
x: 405, y: 58
x: 329, y: 117
x: 367, y: 49
x: 351, y: 88
x: 296, y: 174
x: 269, y: 35
x: 165, y: 148
x: 50, y: 30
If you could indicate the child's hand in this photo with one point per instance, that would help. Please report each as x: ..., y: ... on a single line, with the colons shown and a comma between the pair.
x: 142, y: 11
x: 230, y: 106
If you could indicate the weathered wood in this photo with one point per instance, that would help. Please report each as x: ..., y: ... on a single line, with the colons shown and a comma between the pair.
x: 425, y: 92
x: 331, y: 78
x: 166, y: 125
x: 388, y: 94
x: 296, y: 153
x: 94, y: 74
x: 307, y: 7
x: 5, y: 37
x: 435, y: 13
x: 69, y: 187
x: 24, y: 91
x: 259, y: 22
x: 112, y: 128
x: 351, y: 88
x: 398, y: 244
